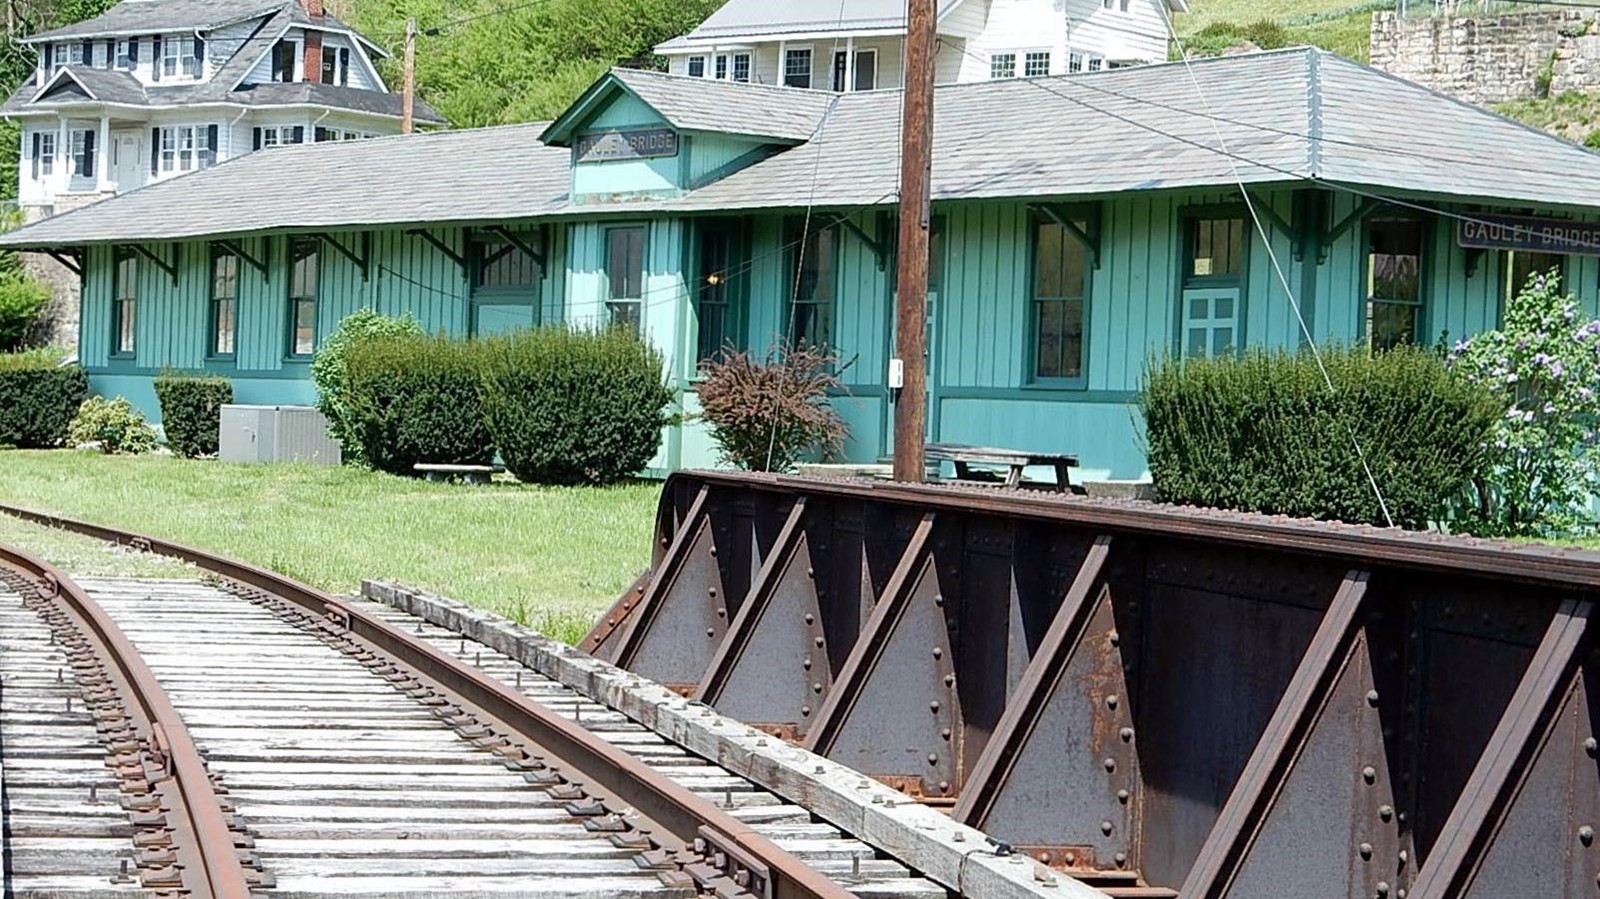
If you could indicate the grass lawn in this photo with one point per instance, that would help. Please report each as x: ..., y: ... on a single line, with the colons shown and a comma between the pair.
x: 551, y: 558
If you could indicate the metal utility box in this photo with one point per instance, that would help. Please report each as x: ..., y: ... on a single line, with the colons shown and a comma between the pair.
x: 276, y: 434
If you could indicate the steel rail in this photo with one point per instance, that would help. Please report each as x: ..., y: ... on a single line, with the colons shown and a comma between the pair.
x: 208, y: 863
x: 1358, y: 544
x: 686, y: 817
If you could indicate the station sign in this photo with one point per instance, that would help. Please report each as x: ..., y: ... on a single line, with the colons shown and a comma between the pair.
x: 1528, y: 234
x: 647, y: 143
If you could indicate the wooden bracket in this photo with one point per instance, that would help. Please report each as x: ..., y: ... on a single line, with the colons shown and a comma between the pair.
x: 363, y: 260
x: 446, y: 249
x: 237, y: 248
x: 1266, y: 211
x: 880, y: 249
x: 1089, y: 239
x: 1356, y: 217
x: 72, y: 260
x: 171, y: 268
x: 511, y: 238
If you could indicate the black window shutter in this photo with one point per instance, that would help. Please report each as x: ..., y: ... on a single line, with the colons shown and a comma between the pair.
x: 320, y: 134
x: 111, y: 54
x: 88, y: 155
x: 200, y: 53
x: 277, y: 61
x: 155, y: 151
x: 49, y: 56
x: 344, y: 65
x: 133, y: 50
x: 88, y: 53
x: 211, y: 141
x: 255, y: 138
x: 37, y: 140
x: 155, y: 58
x: 299, y: 134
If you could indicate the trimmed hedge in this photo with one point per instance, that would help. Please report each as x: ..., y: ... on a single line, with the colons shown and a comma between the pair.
x: 1262, y: 433
x: 327, y: 371
x: 38, y: 399
x: 191, y: 411
x: 574, y: 406
x: 113, y: 426
x: 409, y: 399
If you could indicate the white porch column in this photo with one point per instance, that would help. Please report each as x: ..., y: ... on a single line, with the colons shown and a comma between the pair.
x: 102, y: 156
x: 783, y: 53
x: 710, y: 70
x: 63, y: 172
x: 849, y: 64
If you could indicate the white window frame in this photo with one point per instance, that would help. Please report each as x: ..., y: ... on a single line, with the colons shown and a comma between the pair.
x: 1096, y: 62
x: 689, y: 66
x: 169, y: 150
x: 733, y: 69
x: 177, y: 57
x: 811, y: 66
x: 188, y: 148
x: 856, y: 80
x: 78, y: 143
x: 75, y: 54
x: 1076, y: 61
x: 1007, y: 60
x: 47, y: 153
x: 124, y: 56
x: 1029, y: 57
x: 720, y: 67
x: 269, y: 136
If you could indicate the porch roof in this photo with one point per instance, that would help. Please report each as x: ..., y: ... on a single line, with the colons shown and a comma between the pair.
x: 1294, y: 116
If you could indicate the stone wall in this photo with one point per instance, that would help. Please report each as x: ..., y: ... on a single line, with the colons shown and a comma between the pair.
x: 1490, y: 59
x: 61, y: 316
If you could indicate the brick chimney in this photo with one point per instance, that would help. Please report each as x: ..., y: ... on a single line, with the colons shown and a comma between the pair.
x: 314, y: 54
x: 313, y: 8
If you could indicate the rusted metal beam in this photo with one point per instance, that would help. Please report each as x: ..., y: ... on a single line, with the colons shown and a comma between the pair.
x: 1280, y: 747
x: 657, y: 638
x: 1068, y: 716
x: 1482, y: 808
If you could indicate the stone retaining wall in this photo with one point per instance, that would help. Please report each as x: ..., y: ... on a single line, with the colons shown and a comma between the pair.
x: 1491, y: 59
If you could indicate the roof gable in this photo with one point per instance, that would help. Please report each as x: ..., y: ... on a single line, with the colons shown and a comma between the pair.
x: 779, y: 115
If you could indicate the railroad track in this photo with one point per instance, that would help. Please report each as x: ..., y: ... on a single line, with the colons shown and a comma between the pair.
x: 341, y: 748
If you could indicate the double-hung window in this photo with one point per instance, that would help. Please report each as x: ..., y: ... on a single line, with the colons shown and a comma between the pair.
x: 814, y: 280
x: 127, y: 54
x: 697, y: 67
x: 1036, y: 63
x: 713, y: 309
x: 797, y: 67
x: 505, y: 280
x: 224, y: 302
x: 1394, y: 281
x: 185, y: 148
x: 1213, y: 283
x: 177, y: 57
x: 74, y: 54
x: 304, y: 253
x: 124, y: 301
x: 741, y: 67
x: 721, y: 71
x: 1002, y: 65
x: 82, y: 152
x: 1074, y: 61
x: 46, y: 141
x: 625, y: 276
x: 1059, y: 301
x: 1096, y: 63
x: 1522, y: 265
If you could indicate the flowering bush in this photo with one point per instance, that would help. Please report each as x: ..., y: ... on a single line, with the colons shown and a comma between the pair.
x: 1544, y: 368
x: 767, y: 415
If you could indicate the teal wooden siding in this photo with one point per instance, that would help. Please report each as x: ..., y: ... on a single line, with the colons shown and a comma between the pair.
x: 712, y: 156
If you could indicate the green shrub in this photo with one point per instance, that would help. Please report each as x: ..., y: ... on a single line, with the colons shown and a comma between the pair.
x: 327, y: 371
x: 22, y: 299
x: 574, y: 406
x: 114, y: 426
x: 1220, y: 37
x: 411, y: 399
x: 191, y: 411
x: 38, y: 397
x: 1263, y: 433
x: 766, y: 415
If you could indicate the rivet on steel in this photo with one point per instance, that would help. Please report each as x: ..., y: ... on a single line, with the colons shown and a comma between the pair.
x: 1122, y: 796
x: 1365, y: 849
x: 944, y: 732
x: 1111, y: 764
x: 817, y: 640
x: 1114, y: 638
x: 811, y: 572
x: 933, y: 706
x: 1386, y: 812
x: 1586, y: 834
x: 1372, y: 697
x: 816, y: 687
x: 712, y: 591
x: 1589, y: 746
x: 1121, y: 858
x: 933, y: 759
x: 944, y: 787
x: 1111, y: 701
x: 1369, y: 774
x: 937, y: 652
x: 1106, y: 827
x: 711, y: 632
x: 805, y: 710
x: 1126, y: 733
x: 1383, y: 889
x: 810, y: 618
x: 806, y: 663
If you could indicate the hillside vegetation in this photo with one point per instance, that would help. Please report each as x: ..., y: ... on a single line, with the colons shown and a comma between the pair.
x: 1339, y: 26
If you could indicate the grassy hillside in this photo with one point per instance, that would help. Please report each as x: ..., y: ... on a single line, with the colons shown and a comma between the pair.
x: 1340, y: 26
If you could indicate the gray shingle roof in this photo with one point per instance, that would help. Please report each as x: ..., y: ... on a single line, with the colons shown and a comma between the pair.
x: 104, y: 85
x: 1070, y: 136
x: 150, y: 16
x: 753, y: 17
x: 729, y: 107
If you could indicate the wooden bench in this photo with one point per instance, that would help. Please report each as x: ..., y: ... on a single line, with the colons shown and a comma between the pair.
x: 974, y: 463
x: 471, y: 474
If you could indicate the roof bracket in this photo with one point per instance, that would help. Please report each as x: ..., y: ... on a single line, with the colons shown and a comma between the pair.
x: 71, y: 260
x: 441, y: 246
x: 1356, y: 216
x: 516, y: 241
x: 237, y: 248
x: 362, y: 260
x: 1265, y: 210
x: 171, y: 268
x: 1089, y: 239
x: 880, y: 250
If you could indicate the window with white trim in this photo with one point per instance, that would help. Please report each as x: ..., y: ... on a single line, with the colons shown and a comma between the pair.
x: 720, y: 72
x: 1036, y: 63
x: 82, y: 152
x: 797, y: 67
x: 47, y: 153
x: 866, y: 72
x: 74, y: 54
x: 177, y: 57
x: 185, y: 148
x: 741, y: 67
x: 697, y: 67
x: 625, y: 276
x: 1074, y: 61
x: 124, y: 60
x: 1096, y: 63
x: 1002, y: 65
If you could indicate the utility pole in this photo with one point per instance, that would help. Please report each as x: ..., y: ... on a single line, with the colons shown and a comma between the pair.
x: 911, y: 308
x: 408, y: 96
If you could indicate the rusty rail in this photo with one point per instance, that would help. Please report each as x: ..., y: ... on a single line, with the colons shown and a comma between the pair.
x: 1162, y: 701
x: 723, y: 853
x: 200, y: 857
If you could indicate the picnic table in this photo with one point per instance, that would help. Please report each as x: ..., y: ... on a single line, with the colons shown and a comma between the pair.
x: 975, y: 463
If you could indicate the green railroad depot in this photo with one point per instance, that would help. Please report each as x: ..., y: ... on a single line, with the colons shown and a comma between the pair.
x: 1081, y: 225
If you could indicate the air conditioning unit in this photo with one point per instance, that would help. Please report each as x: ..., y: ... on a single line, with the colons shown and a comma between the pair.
x: 276, y: 434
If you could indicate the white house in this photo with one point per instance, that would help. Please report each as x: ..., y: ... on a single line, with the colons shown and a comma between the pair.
x: 850, y: 45
x: 152, y: 89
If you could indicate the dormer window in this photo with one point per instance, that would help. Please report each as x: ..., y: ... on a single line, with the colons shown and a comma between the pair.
x: 73, y: 53
x: 127, y: 55
x: 697, y: 67
x: 335, y: 65
x: 180, y: 56
x: 284, y: 55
